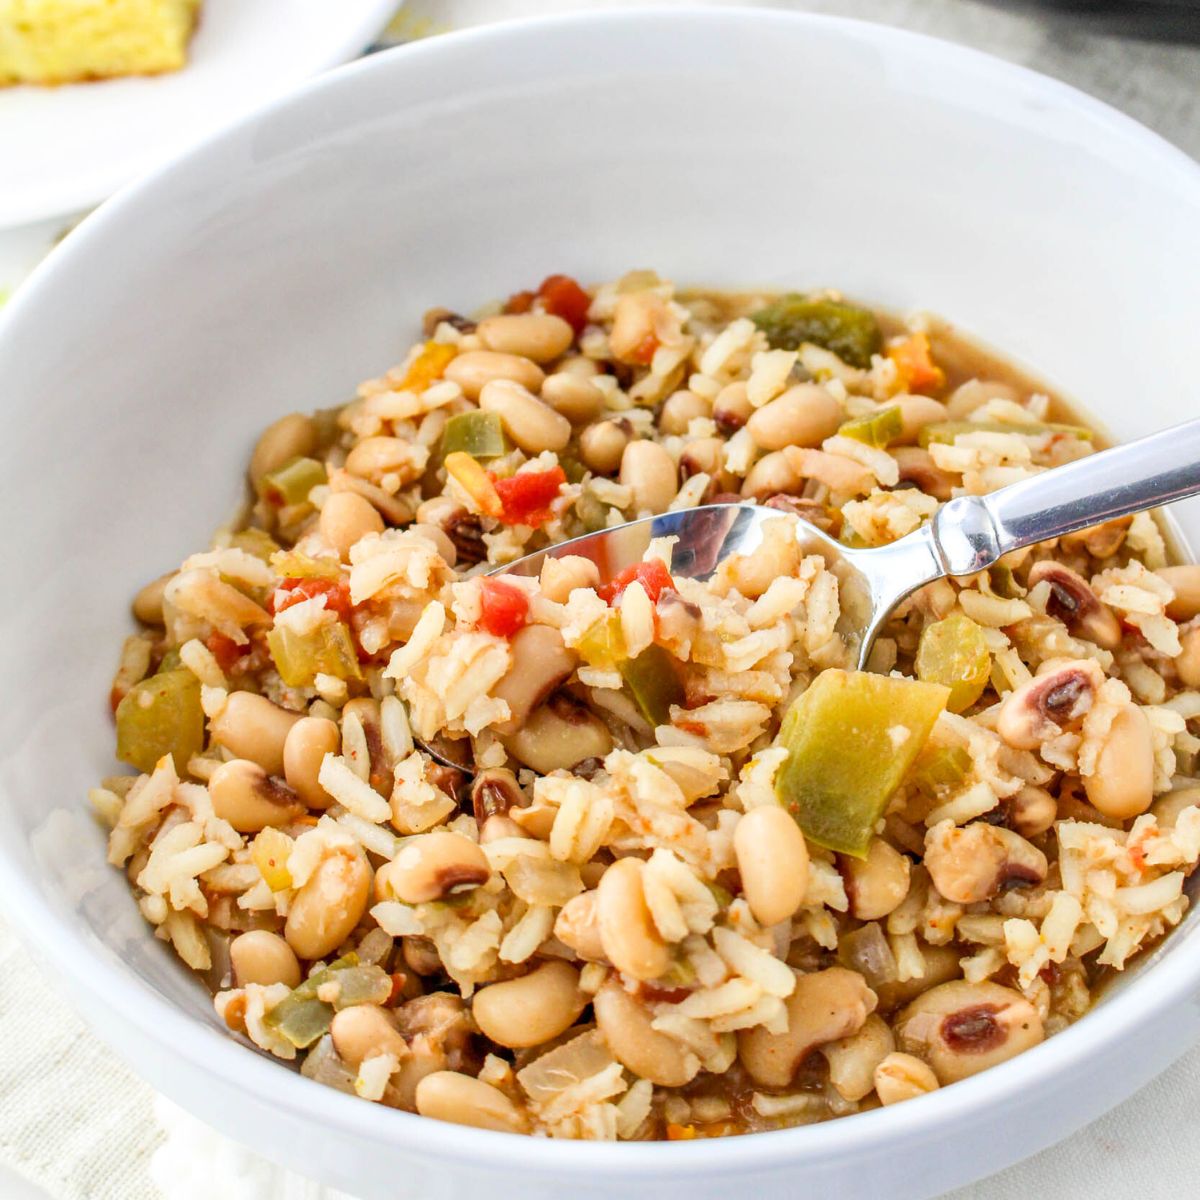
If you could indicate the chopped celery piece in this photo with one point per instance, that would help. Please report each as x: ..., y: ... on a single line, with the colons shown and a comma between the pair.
x: 171, y: 661
x: 328, y: 649
x: 300, y: 1016
x: 293, y: 481
x: 476, y: 433
x: 572, y: 467
x: 365, y: 984
x: 651, y: 677
x: 255, y: 541
x: 161, y: 715
x: 291, y: 564
x: 1004, y: 582
x: 953, y: 652
x: 947, y: 431
x: 270, y: 854
x: 851, y: 333
x: 880, y: 429
x: 654, y: 683
x: 592, y: 512
x: 850, y: 738
x: 940, y: 767
x: 603, y: 645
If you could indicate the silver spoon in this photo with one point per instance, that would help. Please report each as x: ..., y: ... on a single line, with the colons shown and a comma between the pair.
x: 966, y: 535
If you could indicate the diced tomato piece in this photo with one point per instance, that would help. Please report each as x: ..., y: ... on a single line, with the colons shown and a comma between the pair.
x: 225, y: 650
x: 563, y: 297
x: 504, y: 608
x: 526, y: 497
x: 519, y: 302
x: 296, y: 591
x: 652, y: 575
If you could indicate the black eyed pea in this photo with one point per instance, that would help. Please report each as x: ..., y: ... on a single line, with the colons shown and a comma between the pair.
x: 826, y: 1005
x: 651, y: 476
x: 942, y: 963
x: 557, y: 735
x: 148, y: 603
x: 463, y: 1100
x: 432, y: 866
x: 805, y: 415
x: 375, y: 457
x: 346, y: 517
x: 704, y: 455
x: 915, y: 413
x: 732, y: 408
x: 962, y: 1028
x: 573, y: 396
x: 637, y: 318
x: 439, y: 537
x: 578, y: 927
x: 778, y: 555
x: 364, y: 1030
x: 497, y: 827
x: 628, y: 934
x: 770, y: 475
x: 541, y: 337
x: 331, y: 903
x: 532, y: 1009
x: 972, y: 863
x: 304, y: 749
x: 1185, y: 580
x: 532, y: 425
x: 1122, y: 783
x: 1031, y: 811
x: 1054, y: 699
x: 1072, y: 600
x: 625, y: 1024
x: 917, y: 467
x: 260, y: 956
x: 561, y: 576
x: 381, y: 765
x: 1187, y: 661
x: 494, y: 792
x: 772, y: 859
x: 601, y: 445
x: 678, y: 411
x: 243, y: 794
x: 975, y: 393
x: 1166, y: 808
x: 903, y: 1077
x: 250, y: 726
x: 875, y: 885
x: 853, y: 1060
x: 478, y: 367
x: 540, y: 663
x: 293, y: 436
x: 579, y: 364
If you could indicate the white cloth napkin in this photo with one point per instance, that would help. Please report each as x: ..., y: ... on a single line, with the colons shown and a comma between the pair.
x: 74, y: 1120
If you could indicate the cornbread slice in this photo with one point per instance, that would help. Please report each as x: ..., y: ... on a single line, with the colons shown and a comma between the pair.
x: 60, y: 41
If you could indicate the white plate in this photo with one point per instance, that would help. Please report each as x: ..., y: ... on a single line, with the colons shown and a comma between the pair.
x: 67, y: 148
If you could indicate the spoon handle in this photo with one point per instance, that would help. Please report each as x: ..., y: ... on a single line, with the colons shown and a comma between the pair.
x: 972, y: 532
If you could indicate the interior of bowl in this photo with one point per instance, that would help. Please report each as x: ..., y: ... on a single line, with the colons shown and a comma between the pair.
x: 287, y: 260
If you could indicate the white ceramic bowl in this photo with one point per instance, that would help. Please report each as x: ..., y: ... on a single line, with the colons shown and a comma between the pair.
x: 279, y: 264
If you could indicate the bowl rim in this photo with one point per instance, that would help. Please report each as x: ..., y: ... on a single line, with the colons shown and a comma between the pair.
x: 176, y: 1033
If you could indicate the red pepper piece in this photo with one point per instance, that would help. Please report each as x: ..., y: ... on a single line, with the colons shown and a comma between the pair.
x: 653, y: 576
x: 504, y: 608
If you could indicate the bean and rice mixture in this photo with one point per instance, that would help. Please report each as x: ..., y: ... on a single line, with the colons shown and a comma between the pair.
x: 610, y: 923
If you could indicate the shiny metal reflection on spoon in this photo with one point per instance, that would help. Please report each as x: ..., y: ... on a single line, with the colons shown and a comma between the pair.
x: 966, y: 535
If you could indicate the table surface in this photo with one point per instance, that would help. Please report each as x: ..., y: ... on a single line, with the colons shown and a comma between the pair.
x: 1143, y: 58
